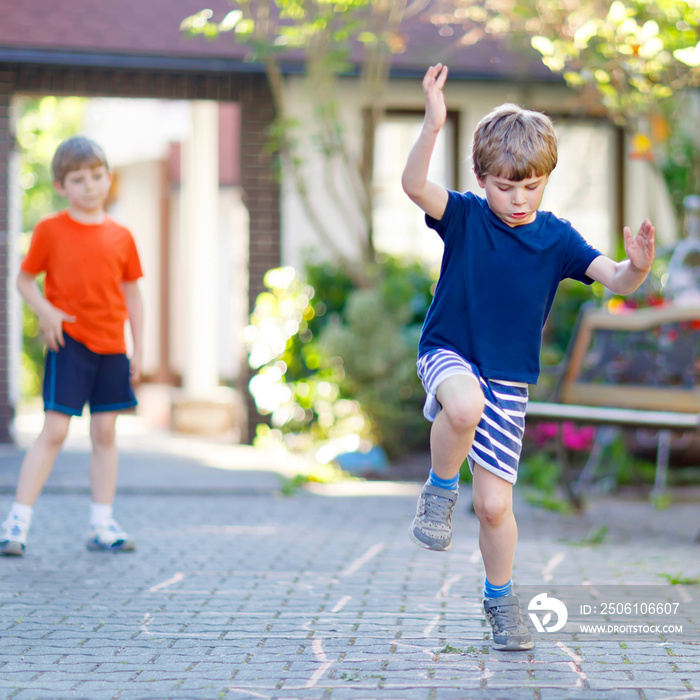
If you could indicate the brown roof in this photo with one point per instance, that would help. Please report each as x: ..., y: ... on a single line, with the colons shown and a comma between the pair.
x: 146, y: 33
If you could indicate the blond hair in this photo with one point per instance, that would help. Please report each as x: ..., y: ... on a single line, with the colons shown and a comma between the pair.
x: 75, y: 153
x: 515, y: 144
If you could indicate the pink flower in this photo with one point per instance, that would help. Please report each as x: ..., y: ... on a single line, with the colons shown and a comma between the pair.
x: 544, y: 432
x: 577, y: 439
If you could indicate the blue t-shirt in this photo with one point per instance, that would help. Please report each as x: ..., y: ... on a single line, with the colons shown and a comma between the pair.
x: 497, y: 285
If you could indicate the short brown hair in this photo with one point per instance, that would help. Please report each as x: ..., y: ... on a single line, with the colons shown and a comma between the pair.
x: 75, y: 153
x: 514, y: 143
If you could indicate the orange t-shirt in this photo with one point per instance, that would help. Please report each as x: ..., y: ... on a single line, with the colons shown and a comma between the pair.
x: 85, y: 265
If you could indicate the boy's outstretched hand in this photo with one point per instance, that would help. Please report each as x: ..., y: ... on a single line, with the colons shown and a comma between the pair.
x: 640, y: 248
x: 435, y: 109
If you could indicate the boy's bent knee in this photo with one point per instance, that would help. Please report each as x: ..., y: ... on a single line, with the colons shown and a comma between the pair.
x: 462, y: 415
x: 462, y: 402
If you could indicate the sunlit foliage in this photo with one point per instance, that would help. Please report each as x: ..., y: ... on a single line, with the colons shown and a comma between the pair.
x: 336, y: 363
x: 328, y: 39
x: 629, y: 53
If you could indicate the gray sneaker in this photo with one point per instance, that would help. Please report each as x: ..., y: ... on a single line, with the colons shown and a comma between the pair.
x: 432, y: 526
x: 510, y: 633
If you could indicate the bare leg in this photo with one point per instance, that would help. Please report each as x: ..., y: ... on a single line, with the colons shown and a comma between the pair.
x: 38, y: 461
x: 104, y: 462
x: 453, y: 430
x: 451, y: 438
x: 105, y: 533
x: 498, y: 531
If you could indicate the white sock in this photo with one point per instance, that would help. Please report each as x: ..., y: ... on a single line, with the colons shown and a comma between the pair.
x: 99, y: 513
x: 22, y: 512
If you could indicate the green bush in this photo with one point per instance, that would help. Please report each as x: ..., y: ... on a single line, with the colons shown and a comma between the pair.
x: 294, y: 384
x: 42, y: 124
x: 378, y: 353
x: 335, y: 360
x: 31, y: 373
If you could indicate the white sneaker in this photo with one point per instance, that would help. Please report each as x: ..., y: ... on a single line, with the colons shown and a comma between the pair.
x: 14, y: 536
x: 108, y: 536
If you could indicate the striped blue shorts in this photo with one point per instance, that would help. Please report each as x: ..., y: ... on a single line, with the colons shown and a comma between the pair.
x: 499, y: 435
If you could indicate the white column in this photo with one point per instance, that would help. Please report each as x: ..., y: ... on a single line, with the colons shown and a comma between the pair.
x: 200, y: 226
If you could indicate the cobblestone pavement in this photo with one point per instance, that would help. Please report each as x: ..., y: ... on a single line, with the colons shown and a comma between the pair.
x: 236, y: 591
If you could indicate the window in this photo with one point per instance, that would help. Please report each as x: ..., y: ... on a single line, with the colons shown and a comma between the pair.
x: 583, y: 186
x: 399, y: 225
x: 582, y: 189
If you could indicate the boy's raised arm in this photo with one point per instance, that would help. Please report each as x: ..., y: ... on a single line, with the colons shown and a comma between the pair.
x: 626, y: 276
x: 429, y: 196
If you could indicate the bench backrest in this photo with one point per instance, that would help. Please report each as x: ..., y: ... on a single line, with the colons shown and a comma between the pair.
x: 642, y: 358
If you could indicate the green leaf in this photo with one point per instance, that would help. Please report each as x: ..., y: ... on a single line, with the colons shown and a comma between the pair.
x: 690, y: 56
x: 554, y: 63
x: 543, y: 45
x: 230, y: 21
x: 585, y: 33
x: 574, y: 79
x: 245, y: 26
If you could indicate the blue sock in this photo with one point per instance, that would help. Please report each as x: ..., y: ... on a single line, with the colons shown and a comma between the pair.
x: 435, y: 480
x: 491, y: 591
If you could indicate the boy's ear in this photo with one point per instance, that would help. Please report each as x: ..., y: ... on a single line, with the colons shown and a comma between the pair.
x: 480, y: 180
x: 58, y: 186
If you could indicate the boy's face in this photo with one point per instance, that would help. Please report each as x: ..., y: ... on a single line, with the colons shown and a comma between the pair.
x: 514, y: 202
x: 86, y: 189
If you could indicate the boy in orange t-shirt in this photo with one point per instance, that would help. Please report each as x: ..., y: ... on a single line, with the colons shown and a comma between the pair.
x: 91, y: 288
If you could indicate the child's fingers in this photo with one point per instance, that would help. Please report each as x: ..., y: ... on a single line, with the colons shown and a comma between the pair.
x: 647, y: 228
x: 51, y: 340
x: 429, y: 78
x: 435, y: 75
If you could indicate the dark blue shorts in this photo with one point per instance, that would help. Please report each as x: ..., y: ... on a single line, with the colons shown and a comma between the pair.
x: 75, y: 375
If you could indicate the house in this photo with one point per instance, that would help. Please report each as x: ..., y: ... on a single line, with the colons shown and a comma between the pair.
x: 208, y: 213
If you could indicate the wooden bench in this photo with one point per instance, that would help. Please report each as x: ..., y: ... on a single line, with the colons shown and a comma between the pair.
x: 636, y: 369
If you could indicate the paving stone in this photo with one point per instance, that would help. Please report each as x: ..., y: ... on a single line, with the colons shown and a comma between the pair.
x: 311, y: 596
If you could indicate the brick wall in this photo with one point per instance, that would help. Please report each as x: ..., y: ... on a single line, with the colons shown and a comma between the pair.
x: 261, y: 198
x: 260, y: 187
x: 6, y: 146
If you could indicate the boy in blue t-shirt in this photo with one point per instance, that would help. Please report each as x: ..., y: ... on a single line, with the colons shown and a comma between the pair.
x: 480, y: 345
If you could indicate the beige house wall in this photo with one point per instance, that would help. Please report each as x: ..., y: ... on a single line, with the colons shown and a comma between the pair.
x: 584, y: 187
